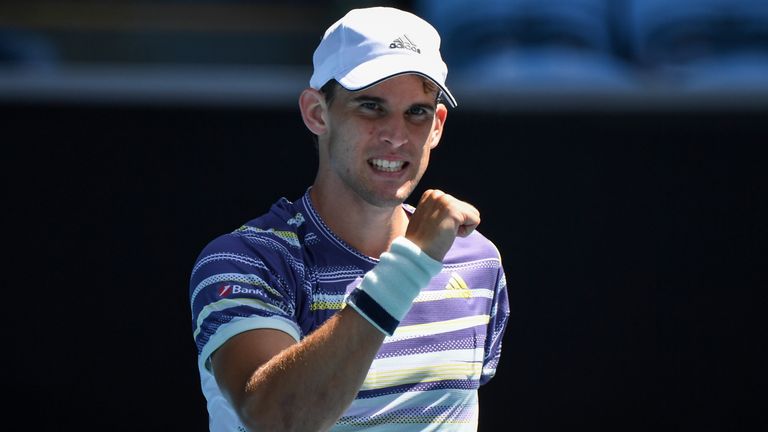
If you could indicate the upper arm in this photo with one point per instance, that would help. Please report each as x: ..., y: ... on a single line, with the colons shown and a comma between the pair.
x: 497, y: 324
x: 235, y: 362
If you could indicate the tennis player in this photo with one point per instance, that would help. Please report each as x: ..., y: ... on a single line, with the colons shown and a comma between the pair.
x: 347, y: 309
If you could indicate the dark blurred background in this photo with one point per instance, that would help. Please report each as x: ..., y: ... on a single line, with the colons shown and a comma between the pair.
x: 616, y: 149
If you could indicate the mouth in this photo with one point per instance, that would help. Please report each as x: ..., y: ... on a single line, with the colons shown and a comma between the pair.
x: 387, y: 165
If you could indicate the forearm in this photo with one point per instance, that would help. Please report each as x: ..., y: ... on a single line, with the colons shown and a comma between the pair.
x: 309, y: 385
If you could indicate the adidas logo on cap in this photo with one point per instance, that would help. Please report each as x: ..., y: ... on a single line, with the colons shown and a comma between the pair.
x: 407, y: 44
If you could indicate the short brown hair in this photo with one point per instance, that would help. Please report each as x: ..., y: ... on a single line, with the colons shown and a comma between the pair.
x: 329, y: 90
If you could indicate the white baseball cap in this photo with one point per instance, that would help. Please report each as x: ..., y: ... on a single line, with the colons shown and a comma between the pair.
x: 370, y: 45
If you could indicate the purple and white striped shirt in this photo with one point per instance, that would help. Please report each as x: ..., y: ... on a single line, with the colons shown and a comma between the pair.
x: 286, y: 270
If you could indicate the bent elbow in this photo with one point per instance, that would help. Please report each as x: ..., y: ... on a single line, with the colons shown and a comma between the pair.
x: 264, y: 414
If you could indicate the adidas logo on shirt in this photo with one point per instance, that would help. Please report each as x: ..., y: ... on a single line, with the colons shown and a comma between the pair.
x: 404, y: 42
x: 458, y: 287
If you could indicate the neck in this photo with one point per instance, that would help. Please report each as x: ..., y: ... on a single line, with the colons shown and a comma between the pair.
x: 365, y: 227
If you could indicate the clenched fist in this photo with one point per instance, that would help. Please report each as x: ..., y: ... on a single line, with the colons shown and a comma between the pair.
x: 438, y: 219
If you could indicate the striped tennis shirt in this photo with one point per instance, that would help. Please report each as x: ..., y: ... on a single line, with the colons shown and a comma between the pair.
x: 287, y: 270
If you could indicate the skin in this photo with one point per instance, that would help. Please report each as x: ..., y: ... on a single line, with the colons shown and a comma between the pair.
x: 266, y: 374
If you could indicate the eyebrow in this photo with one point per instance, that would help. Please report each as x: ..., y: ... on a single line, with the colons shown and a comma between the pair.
x: 367, y: 98
x: 382, y: 101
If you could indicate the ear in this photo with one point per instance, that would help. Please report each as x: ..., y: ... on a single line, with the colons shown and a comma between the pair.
x: 441, y: 113
x: 313, y: 111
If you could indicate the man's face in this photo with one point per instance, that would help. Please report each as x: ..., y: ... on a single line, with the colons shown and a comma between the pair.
x: 379, y: 139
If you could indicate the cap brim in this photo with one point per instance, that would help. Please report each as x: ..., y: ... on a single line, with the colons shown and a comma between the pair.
x: 382, y: 68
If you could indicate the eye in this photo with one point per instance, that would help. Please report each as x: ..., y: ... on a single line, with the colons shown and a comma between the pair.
x: 418, y: 111
x: 370, y: 106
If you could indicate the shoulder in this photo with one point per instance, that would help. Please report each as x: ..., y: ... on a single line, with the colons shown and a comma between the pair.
x: 271, y: 239
x: 474, y: 247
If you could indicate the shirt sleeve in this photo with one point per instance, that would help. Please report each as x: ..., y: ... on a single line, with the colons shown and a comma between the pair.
x: 242, y: 283
x: 496, y: 326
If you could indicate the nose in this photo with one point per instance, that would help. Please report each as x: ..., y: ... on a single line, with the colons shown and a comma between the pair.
x: 394, y: 131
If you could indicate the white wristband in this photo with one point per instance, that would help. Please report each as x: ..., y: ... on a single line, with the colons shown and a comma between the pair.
x: 387, y: 291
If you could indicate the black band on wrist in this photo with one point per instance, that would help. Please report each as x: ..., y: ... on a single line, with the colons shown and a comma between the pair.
x: 373, y: 311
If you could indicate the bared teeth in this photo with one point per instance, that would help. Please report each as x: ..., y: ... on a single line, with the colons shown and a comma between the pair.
x: 386, y: 165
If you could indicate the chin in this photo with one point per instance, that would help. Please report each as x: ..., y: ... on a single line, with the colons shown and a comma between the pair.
x: 385, y: 200
x: 383, y: 197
